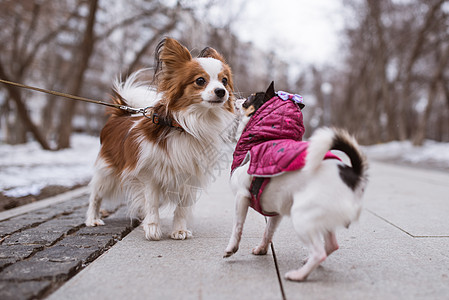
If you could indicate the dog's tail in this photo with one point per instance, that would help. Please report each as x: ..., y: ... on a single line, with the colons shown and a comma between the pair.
x: 326, y: 139
x: 138, y: 93
x: 117, y: 99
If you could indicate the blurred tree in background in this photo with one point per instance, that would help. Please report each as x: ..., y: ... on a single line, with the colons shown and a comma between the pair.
x: 81, y: 46
x: 394, y: 81
x: 391, y: 82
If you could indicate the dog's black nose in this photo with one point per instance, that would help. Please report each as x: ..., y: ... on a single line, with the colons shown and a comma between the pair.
x: 220, y: 92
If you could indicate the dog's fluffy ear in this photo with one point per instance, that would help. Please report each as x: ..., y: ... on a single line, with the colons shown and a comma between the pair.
x: 170, y: 53
x: 211, y: 52
x: 270, y: 93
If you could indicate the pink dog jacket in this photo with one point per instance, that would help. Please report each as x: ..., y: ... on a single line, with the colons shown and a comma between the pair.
x: 272, y: 142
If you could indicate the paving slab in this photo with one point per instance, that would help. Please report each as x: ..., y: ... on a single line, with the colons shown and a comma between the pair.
x: 43, y: 246
x: 415, y: 200
x: 23, y: 290
x: 44, y: 203
x: 393, y: 252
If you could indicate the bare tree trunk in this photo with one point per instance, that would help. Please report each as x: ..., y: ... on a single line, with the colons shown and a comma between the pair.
x: 438, y: 77
x: 11, y: 125
x: 446, y: 90
x: 23, y: 113
x: 381, y: 70
x: 86, y: 49
x: 48, y: 117
x: 416, y: 51
x: 317, y: 83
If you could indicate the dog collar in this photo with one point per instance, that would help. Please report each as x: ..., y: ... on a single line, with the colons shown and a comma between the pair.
x: 165, y: 121
x: 158, y: 120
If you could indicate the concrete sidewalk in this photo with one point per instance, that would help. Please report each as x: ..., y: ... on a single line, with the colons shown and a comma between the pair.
x: 398, y: 250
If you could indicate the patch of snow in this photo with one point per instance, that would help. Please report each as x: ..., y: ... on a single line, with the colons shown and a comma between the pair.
x: 431, y: 153
x: 26, y: 169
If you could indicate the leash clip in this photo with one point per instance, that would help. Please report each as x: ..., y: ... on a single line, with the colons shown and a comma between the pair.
x: 131, y: 109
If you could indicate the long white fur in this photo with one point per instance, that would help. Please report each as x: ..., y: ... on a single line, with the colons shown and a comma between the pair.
x: 163, y: 177
x: 138, y: 94
x: 315, y: 197
x: 320, y: 143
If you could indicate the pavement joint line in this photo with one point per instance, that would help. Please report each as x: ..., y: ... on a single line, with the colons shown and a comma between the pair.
x: 276, y: 266
x: 7, y: 214
x: 430, y: 236
x: 278, y: 273
x: 392, y: 224
x: 44, y: 247
x: 403, y: 230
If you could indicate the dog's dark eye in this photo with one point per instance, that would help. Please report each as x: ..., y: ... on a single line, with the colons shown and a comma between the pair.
x: 200, y: 81
x: 224, y: 81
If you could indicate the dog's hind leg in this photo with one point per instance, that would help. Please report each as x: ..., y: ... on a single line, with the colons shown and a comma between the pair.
x: 93, y: 212
x: 272, y: 224
x: 241, y: 209
x: 330, y: 242
x: 317, y: 254
x: 151, y: 221
x: 102, y: 185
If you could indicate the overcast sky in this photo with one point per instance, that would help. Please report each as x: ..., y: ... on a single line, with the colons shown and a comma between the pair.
x: 302, y: 30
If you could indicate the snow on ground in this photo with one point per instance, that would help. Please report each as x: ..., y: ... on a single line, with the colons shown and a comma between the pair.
x: 431, y: 155
x: 26, y: 169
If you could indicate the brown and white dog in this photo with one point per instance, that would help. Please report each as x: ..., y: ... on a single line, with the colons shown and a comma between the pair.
x: 319, y: 198
x: 163, y: 159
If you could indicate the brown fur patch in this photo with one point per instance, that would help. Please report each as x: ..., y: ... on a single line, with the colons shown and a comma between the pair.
x: 119, y: 146
x: 120, y: 138
x: 211, y: 52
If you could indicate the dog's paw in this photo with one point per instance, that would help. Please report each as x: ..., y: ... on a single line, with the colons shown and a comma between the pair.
x: 152, y: 231
x: 230, y: 250
x: 91, y: 222
x: 181, y: 234
x: 295, y: 275
x: 228, y: 254
x: 260, y: 250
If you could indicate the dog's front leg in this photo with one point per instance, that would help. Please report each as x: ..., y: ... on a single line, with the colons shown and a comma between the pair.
x: 241, y: 209
x: 272, y: 224
x: 180, y: 217
x: 151, y: 221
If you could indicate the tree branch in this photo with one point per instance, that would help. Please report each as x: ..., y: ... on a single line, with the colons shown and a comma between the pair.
x: 15, y: 94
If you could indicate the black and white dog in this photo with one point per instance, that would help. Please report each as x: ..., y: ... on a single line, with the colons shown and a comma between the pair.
x: 320, y: 197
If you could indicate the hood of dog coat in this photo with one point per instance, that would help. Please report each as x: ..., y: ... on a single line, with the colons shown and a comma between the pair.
x: 276, y: 122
